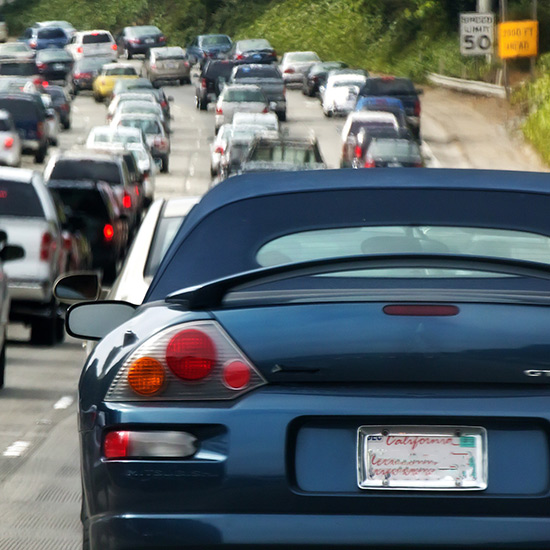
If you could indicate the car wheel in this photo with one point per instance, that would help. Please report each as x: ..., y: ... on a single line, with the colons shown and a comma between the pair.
x: 3, y: 361
x: 203, y: 105
x: 40, y: 155
x: 98, y: 98
x: 165, y: 164
x: 44, y: 331
x: 66, y: 125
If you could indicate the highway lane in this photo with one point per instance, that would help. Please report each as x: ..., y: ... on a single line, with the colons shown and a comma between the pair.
x: 39, y: 507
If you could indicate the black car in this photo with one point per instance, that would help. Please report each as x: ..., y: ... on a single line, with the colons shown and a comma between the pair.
x: 317, y: 75
x: 213, y: 75
x: 84, y: 72
x: 392, y: 153
x: 54, y: 64
x: 29, y: 116
x: 91, y: 207
x: 400, y: 88
x: 139, y: 40
x: 255, y: 50
x: 61, y: 102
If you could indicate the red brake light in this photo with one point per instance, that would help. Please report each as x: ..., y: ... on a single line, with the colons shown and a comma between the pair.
x: 266, y: 110
x: 108, y: 232
x: 134, y: 41
x: 219, y: 110
x: 8, y: 142
x: 289, y: 71
x: 116, y: 444
x: 32, y: 43
x: 67, y: 242
x: 114, y: 47
x: 421, y: 310
x: 47, y: 247
x: 79, y: 49
x: 39, y: 130
x: 369, y: 163
x: 45, y: 83
x: 136, y: 189
x: 163, y: 104
x: 191, y: 355
x: 358, y: 151
x: 239, y: 56
x: 219, y: 150
x: 40, y: 65
x: 236, y: 375
x: 162, y: 39
x: 127, y: 200
x: 417, y: 108
x: 203, y: 83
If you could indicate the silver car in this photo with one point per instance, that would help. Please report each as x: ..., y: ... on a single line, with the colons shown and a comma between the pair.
x: 168, y: 63
x: 294, y: 65
x: 155, y: 235
x: 29, y: 217
x: 246, y: 98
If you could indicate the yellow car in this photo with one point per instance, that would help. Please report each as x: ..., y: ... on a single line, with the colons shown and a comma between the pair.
x: 105, y: 81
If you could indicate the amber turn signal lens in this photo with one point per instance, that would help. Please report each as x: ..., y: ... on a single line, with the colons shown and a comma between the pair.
x: 146, y: 376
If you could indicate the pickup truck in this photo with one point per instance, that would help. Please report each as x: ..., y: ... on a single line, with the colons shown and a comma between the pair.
x: 399, y: 88
x: 269, y: 79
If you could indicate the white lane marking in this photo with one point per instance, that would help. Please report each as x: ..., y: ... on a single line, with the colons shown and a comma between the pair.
x: 64, y: 403
x: 17, y: 448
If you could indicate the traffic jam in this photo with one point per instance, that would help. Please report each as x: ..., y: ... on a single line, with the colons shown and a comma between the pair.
x: 286, y: 322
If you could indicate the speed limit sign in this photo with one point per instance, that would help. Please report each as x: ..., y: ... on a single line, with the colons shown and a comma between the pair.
x: 477, y: 31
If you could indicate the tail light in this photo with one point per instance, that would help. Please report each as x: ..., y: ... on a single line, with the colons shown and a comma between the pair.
x: 161, y: 143
x: 219, y: 150
x: 274, y: 53
x: 369, y: 163
x: 203, y: 83
x: 266, y: 110
x: 79, y: 49
x: 190, y: 361
x: 162, y: 39
x: 64, y: 106
x: 136, y: 190
x: 163, y: 104
x: 82, y: 75
x: 48, y: 246
x: 418, y: 165
x: 239, y: 56
x: 127, y: 200
x: 32, y: 43
x: 67, y: 242
x: 134, y: 41
x: 114, y: 47
x: 44, y: 83
x: 289, y: 71
x: 40, y: 130
x: 358, y: 152
x: 186, y: 63
x: 219, y: 110
x: 41, y: 65
x: 417, y: 108
x: 154, y: 66
x: 8, y: 142
x: 108, y: 232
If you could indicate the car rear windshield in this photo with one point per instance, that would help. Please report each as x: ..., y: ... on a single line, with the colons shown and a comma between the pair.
x: 214, y: 69
x: 302, y: 57
x: 142, y: 31
x: 392, y: 86
x: 255, y: 44
x: 90, y: 64
x: 244, y: 95
x: 282, y: 152
x: 87, y: 169
x: 140, y: 107
x: 49, y: 33
x: 164, y: 235
x: 215, y: 40
x: 394, y: 148
x: 53, y: 55
x: 348, y: 83
x: 87, y: 202
x: 18, y: 69
x: 19, y: 199
x: 22, y: 110
x: 265, y: 71
x: 151, y: 127
x: 115, y: 137
x: 371, y: 125
x: 170, y: 53
x: 96, y: 38
x: 358, y: 241
x: 121, y: 71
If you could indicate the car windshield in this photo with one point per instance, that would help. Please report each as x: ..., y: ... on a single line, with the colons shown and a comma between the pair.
x: 357, y: 125
x: 86, y: 169
x: 244, y: 95
x: 19, y: 199
x: 148, y: 126
x: 302, y: 57
x: 96, y: 38
x: 120, y: 71
x: 215, y: 40
x: 254, y: 44
x: 49, y: 33
x: 372, y: 240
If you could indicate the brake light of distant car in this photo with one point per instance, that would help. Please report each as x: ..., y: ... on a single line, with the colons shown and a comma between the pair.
x: 161, y: 143
x: 162, y: 39
x: 239, y: 56
x: 8, y: 142
x: 219, y: 149
x: 358, y: 152
x: 190, y: 361
x: 108, y: 232
x: 136, y: 189
x: 290, y: 70
x: 48, y: 245
x: 40, y: 65
x: 369, y: 163
x: 417, y: 108
x: 127, y: 200
x: 134, y: 41
x: 219, y: 110
x: 163, y: 104
x: 114, y: 47
x: 32, y: 43
x: 266, y: 110
x: 203, y: 83
x: 155, y: 444
x: 82, y: 75
x: 79, y: 49
x: 186, y: 63
x: 40, y: 130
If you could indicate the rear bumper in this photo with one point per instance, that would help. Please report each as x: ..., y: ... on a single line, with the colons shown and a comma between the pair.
x: 315, y: 532
x: 30, y: 290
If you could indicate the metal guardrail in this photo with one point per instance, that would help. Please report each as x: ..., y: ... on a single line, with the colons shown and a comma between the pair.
x: 468, y: 86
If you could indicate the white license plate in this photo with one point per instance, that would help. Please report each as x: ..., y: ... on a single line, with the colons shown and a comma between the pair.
x: 422, y: 458
x: 169, y: 65
x: 58, y: 66
x: 149, y: 40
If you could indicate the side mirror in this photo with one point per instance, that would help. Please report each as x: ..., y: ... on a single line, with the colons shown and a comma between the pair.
x: 77, y: 287
x: 94, y: 320
x: 12, y: 252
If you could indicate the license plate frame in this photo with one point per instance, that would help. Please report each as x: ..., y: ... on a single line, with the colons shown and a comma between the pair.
x: 422, y: 458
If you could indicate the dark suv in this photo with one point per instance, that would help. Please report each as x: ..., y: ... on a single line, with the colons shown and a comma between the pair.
x: 92, y: 208
x: 139, y: 40
x: 29, y: 116
x: 209, y: 85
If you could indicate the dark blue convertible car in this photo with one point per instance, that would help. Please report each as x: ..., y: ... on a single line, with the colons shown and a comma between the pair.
x: 328, y: 360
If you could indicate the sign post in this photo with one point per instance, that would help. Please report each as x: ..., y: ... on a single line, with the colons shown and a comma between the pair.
x: 476, y: 33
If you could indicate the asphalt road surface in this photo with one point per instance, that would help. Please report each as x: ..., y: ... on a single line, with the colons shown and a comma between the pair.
x: 39, y: 462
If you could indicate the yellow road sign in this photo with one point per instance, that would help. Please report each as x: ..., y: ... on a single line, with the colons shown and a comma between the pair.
x: 518, y: 39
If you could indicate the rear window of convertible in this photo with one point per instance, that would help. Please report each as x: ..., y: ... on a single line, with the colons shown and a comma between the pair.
x: 365, y: 241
